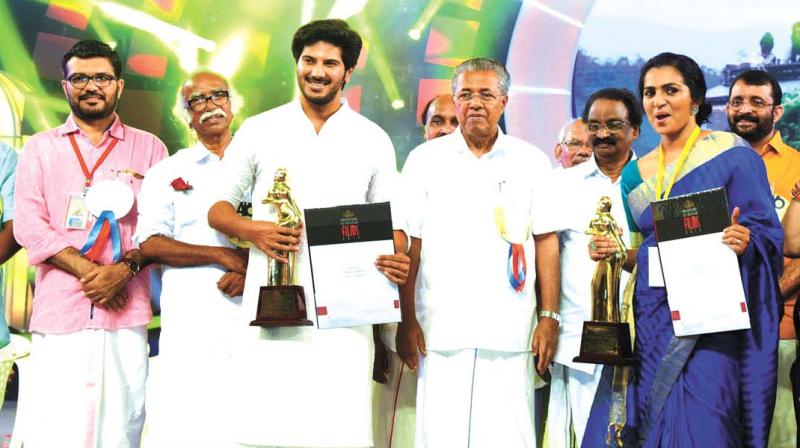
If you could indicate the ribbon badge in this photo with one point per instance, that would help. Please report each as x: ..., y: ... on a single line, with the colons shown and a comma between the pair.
x: 516, y: 265
x: 109, y: 201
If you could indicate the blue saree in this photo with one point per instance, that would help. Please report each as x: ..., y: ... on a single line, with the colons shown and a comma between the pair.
x: 721, y: 387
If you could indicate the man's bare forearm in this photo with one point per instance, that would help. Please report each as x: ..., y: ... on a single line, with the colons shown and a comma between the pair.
x: 161, y: 249
x: 407, y: 305
x: 8, y: 245
x: 547, y: 270
x: 223, y: 217
x: 790, y: 279
x: 791, y: 228
x: 71, y: 261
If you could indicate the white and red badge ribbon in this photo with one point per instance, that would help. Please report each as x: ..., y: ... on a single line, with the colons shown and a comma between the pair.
x: 516, y: 264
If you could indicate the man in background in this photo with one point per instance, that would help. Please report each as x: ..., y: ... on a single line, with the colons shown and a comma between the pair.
x: 573, y: 146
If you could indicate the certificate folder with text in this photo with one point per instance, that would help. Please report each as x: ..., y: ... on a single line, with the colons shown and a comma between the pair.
x: 343, y: 244
x: 701, y: 274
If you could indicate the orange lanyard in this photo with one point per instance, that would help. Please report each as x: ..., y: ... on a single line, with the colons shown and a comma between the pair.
x: 90, y: 174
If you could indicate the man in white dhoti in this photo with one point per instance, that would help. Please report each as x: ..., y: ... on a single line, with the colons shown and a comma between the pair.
x: 613, y: 118
x: 76, y: 215
x: 394, y: 416
x: 202, y: 277
x: 482, y: 233
x: 301, y: 386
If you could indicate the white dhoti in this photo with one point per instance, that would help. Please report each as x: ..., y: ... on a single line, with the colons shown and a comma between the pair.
x: 394, y: 410
x: 783, y: 433
x: 86, y: 389
x: 571, y: 395
x: 185, y: 406
x: 476, y: 398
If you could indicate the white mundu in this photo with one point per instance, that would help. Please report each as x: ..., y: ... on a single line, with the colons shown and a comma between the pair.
x: 302, y: 386
x: 197, y: 319
x: 574, y: 384
x: 477, y: 327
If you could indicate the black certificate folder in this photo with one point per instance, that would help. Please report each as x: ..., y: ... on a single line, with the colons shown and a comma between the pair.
x: 349, y: 224
x: 694, y: 214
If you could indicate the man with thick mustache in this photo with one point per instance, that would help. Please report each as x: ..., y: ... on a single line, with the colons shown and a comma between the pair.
x: 754, y: 107
x: 89, y: 355
x: 613, y: 118
x: 481, y: 236
x: 202, y: 278
x: 302, y: 386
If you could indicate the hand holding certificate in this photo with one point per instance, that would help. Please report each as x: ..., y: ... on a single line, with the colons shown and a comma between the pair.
x: 344, y: 243
x: 701, y: 274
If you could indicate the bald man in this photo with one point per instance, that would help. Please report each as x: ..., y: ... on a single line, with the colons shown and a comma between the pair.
x: 573, y: 145
x: 439, y: 117
x: 202, y: 279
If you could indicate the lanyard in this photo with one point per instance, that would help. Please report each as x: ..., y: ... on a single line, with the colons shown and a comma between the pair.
x: 90, y: 174
x: 678, y: 165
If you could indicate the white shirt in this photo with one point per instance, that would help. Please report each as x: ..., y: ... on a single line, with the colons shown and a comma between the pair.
x: 451, y: 199
x: 301, y: 386
x: 581, y: 188
x: 189, y: 295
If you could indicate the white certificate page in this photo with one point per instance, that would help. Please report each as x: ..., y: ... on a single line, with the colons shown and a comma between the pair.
x: 704, y: 285
x: 348, y: 287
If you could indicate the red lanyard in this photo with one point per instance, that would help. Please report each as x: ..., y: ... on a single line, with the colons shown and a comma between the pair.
x: 90, y: 174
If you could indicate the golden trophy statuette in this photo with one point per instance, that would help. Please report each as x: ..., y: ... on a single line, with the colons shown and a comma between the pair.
x: 605, y: 339
x: 282, y: 302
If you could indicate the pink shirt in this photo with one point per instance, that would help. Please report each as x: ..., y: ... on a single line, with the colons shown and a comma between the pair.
x: 47, y: 174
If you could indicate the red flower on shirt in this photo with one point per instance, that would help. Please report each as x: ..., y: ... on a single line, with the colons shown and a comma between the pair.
x: 180, y: 185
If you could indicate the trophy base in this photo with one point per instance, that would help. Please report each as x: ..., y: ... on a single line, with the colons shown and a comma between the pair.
x: 606, y: 343
x: 281, y: 306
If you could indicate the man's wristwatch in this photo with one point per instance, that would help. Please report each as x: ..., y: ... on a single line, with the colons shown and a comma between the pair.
x: 552, y: 315
x: 133, y: 266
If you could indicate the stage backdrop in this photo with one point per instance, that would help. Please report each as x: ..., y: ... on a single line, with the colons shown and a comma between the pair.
x: 558, y: 52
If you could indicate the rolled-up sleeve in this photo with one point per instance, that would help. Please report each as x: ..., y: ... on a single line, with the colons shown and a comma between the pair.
x: 413, y: 195
x: 238, y: 167
x: 156, y: 209
x: 32, y: 228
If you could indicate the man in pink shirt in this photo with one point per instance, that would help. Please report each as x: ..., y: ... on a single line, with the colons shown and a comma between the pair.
x: 76, y: 214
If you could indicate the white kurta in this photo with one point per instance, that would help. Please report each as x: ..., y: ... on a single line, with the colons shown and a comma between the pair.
x: 197, y: 319
x: 581, y: 187
x: 303, y: 386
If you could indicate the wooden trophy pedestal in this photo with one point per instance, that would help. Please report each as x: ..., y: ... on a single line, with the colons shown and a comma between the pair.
x: 281, y: 306
x: 606, y: 343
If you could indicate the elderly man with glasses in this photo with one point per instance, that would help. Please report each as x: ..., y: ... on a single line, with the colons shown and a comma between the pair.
x: 202, y: 279
x: 573, y: 147
x: 76, y: 214
x: 754, y: 107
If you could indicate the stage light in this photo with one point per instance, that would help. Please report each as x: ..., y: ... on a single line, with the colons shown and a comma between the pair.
x: 559, y: 15
x: 425, y: 18
x: 307, y: 13
x: 344, y: 9
x: 184, y: 43
x: 398, y: 104
x: 379, y: 60
x: 228, y: 58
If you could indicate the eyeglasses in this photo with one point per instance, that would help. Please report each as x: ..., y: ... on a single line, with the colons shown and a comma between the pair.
x: 611, y: 126
x: 80, y: 80
x: 198, y: 102
x: 754, y: 103
x: 577, y: 144
x: 484, y: 97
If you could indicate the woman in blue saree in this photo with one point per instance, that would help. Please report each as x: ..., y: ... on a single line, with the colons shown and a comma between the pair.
x: 712, y: 390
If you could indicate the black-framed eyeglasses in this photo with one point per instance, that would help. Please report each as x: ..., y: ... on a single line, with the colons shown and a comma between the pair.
x: 754, y: 103
x: 198, y: 102
x: 80, y: 80
x: 611, y: 126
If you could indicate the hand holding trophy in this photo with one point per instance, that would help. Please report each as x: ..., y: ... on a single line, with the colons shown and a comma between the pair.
x: 605, y: 339
x: 281, y: 303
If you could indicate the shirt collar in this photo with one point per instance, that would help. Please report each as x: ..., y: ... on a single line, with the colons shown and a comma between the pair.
x: 117, y: 130
x: 198, y: 153
x: 776, y: 143
x: 498, y: 148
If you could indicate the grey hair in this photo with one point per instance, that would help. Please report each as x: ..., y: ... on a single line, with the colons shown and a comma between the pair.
x: 481, y: 65
x: 181, y: 107
x: 562, y: 134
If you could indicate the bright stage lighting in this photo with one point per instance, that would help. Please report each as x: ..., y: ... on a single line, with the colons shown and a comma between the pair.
x: 344, y: 9
x: 415, y: 34
x: 228, y: 58
x: 425, y: 18
x: 398, y: 104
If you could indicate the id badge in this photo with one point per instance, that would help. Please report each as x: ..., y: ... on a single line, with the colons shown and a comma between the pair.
x: 77, y: 212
